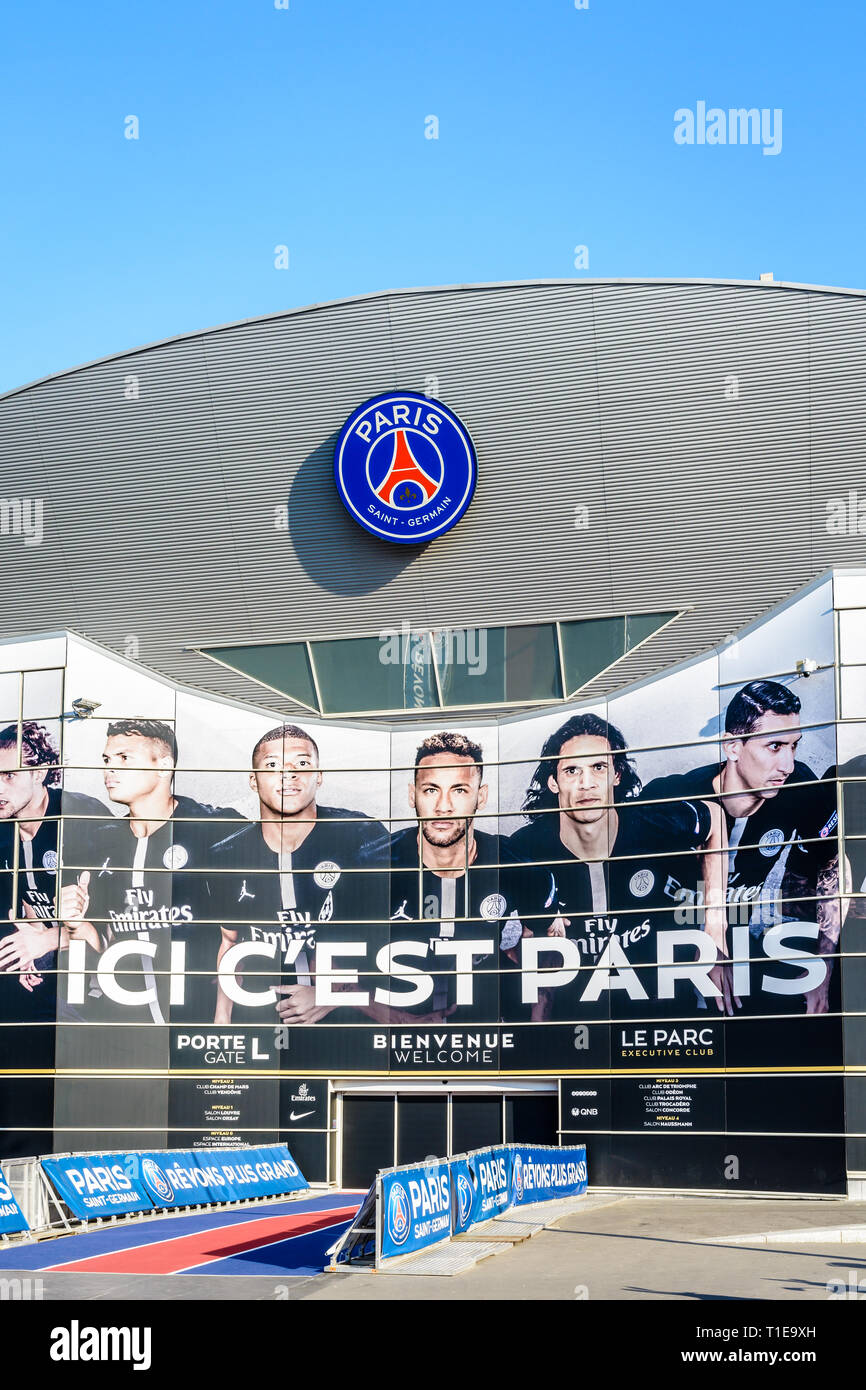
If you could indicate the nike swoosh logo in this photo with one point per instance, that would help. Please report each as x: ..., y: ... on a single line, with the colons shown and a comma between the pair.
x: 293, y: 1116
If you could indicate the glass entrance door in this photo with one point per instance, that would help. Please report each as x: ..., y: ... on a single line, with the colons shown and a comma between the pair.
x: 387, y: 1129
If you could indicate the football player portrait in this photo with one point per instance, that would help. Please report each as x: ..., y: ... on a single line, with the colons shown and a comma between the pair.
x: 780, y: 822
x: 291, y: 880
x: 609, y: 858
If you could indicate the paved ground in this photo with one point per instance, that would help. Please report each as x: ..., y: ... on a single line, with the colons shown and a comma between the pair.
x: 635, y: 1247
x: 645, y: 1248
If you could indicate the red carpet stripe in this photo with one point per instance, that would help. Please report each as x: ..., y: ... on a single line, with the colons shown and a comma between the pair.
x: 181, y: 1252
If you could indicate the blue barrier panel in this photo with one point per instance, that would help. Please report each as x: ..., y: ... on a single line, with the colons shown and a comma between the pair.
x: 416, y: 1208
x: 462, y: 1195
x: 187, y: 1177
x: 480, y: 1185
x: 542, y: 1174
x: 490, y: 1176
x: 170, y: 1179
x: 94, y: 1185
x: 269, y: 1171
x: 104, y: 1184
x: 11, y: 1215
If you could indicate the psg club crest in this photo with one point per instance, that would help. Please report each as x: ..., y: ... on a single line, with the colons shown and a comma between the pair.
x: 405, y: 467
x: 398, y: 1214
x: 156, y: 1180
x: 517, y: 1177
x: 464, y: 1198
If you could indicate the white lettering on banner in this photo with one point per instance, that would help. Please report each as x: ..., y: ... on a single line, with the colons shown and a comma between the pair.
x: 625, y: 978
x: 814, y: 971
x: 612, y: 971
x: 463, y: 951
x: 541, y: 1175
x: 671, y: 1037
x: 109, y: 1184
x: 532, y: 979
x: 387, y: 960
x: 226, y: 1042
x: 741, y: 976
x: 493, y: 1175
x: 177, y: 958
x: 111, y: 986
x: 430, y: 424
x: 436, y: 1226
x: 76, y: 983
x: 493, y: 1179
x: 601, y: 977
x: 697, y: 971
x: 327, y: 974
x: 99, y: 1178
x: 142, y: 916
x: 242, y: 950
x: 241, y: 1174
x: 430, y: 1197
x: 112, y: 1199
x: 432, y: 1049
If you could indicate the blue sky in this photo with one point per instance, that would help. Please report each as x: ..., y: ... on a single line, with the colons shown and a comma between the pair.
x: 305, y: 127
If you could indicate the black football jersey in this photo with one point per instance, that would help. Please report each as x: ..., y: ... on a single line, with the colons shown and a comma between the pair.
x: 430, y: 910
x: 149, y: 889
x: 775, y: 860
x: 623, y: 896
x: 774, y: 855
x: 28, y: 888
x: 291, y: 902
x: 854, y: 812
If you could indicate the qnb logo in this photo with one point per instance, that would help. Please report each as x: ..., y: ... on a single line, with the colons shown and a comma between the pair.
x: 156, y: 1180
x: 405, y: 467
x: 398, y: 1214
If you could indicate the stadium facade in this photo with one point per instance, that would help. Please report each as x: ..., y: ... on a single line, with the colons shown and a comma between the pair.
x: 257, y: 882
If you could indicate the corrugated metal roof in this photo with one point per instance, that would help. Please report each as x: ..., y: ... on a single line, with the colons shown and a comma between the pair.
x: 611, y: 394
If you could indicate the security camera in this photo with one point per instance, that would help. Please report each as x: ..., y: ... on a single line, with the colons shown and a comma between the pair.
x: 806, y: 666
x: 84, y: 708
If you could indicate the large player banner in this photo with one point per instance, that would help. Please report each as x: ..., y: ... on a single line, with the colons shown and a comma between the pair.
x: 208, y: 911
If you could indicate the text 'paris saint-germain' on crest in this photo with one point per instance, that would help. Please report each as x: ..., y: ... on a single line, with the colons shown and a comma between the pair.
x: 405, y: 467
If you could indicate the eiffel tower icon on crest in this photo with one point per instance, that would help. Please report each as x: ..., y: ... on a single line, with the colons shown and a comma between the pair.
x: 406, y: 484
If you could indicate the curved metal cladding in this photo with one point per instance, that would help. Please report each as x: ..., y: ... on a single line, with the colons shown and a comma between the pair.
x: 160, y: 492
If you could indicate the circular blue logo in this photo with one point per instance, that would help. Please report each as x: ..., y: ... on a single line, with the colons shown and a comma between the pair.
x: 398, y: 1214
x: 156, y: 1180
x: 405, y: 467
x: 517, y: 1177
x: 464, y: 1198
